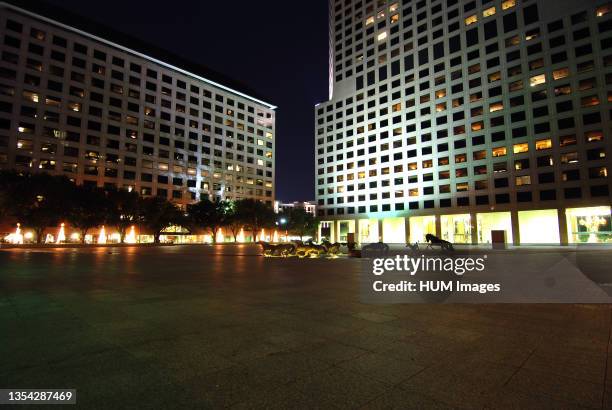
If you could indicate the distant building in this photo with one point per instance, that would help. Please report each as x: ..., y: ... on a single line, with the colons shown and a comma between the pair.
x: 308, y: 206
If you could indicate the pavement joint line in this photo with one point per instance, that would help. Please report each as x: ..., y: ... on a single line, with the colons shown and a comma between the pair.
x: 520, y: 367
x: 603, y: 394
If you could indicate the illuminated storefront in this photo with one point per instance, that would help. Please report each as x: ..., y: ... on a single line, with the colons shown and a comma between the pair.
x: 493, y: 221
x: 368, y: 230
x: 344, y: 228
x: 394, y: 230
x: 539, y: 227
x: 421, y: 226
x: 456, y: 228
x: 589, y: 225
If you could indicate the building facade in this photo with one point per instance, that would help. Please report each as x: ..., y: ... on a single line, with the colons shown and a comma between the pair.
x: 308, y: 206
x: 109, y: 114
x: 463, y: 117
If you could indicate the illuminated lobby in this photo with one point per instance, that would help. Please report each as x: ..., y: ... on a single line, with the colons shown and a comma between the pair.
x: 526, y: 227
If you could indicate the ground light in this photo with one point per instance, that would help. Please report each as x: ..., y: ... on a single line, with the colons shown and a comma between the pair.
x: 131, y: 235
x: 61, y: 235
x: 102, y: 235
x: 240, y: 236
x: 15, y: 238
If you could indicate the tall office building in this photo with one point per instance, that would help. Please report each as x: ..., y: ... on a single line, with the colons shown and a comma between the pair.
x: 460, y: 118
x: 84, y: 101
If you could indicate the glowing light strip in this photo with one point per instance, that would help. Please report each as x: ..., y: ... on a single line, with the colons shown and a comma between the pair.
x: 138, y: 54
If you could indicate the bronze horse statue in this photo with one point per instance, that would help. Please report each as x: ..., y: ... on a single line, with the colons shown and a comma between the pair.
x: 332, y: 248
x: 433, y: 240
x: 283, y: 249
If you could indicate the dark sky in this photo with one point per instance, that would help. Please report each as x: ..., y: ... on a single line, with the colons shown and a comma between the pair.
x: 279, y: 51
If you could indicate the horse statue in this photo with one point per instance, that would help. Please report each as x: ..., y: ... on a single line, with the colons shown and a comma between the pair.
x: 283, y: 249
x: 309, y: 250
x: 331, y: 248
x: 433, y: 240
x: 413, y: 247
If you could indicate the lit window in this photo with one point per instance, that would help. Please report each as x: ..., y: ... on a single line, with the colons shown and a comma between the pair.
x: 25, y: 144
x: 74, y: 106
x: 567, y: 140
x: 569, y: 158
x: 543, y: 144
x: 382, y: 36
x: 593, y: 136
x: 369, y: 20
x: 561, y: 73
x: 459, y: 158
x: 496, y: 106
x: 440, y: 93
x: 471, y: 19
x: 380, y: 15
x: 523, y: 180
x: 531, y: 34
x: 589, y: 101
x: 396, y: 107
x: 603, y: 10
x: 413, y: 192
x: 537, y: 80
x: 462, y: 186
x: 489, y: 12
x: 520, y: 148
x: 508, y: 4
x: 499, y: 152
x: 31, y: 96
x: 513, y: 41
x: 496, y: 76
x: 440, y: 107
x: 393, y: 7
x: 395, y: 18
x: 477, y: 126
x: 482, y: 154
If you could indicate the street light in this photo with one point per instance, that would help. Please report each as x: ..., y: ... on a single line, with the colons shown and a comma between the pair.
x: 283, y: 221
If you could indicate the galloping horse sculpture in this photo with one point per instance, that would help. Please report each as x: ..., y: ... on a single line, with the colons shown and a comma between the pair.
x: 433, y: 240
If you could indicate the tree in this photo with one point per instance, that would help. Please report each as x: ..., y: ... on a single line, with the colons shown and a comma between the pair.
x: 87, y: 210
x: 233, y: 220
x: 209, y: 215
x: 301, y: 223
x: 158, y: 214
x: 255, y: 214
x: 123, y: 210
x: 37, y: 201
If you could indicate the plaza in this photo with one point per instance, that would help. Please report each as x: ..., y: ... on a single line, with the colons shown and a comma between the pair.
x: 209, y: 327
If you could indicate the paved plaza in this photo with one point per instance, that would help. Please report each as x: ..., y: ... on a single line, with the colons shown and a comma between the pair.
x: 194, y: 326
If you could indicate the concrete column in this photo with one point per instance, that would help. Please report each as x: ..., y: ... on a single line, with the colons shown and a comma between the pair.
x: 332, y: 231
x: 439, y: 226
x: 407, y: 229
x: 473, y: 228
x: 516, y: 234
x: 562, y: 226
x: 357, y: 239
x: 337, y: 230
x: 380, y: 231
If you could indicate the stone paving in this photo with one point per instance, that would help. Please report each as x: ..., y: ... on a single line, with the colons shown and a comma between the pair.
x: 197, y: 327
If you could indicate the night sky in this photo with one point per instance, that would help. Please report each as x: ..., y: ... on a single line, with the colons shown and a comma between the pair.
x: 279, y: 51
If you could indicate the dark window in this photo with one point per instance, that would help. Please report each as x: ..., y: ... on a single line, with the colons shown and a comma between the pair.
x: 530, y: 14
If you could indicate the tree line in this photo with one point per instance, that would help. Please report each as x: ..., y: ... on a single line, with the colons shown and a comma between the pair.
x: 40, y: 200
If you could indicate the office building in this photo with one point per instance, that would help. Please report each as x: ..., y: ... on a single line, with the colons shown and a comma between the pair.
x: 459, y: 118
x: 104, y: 109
